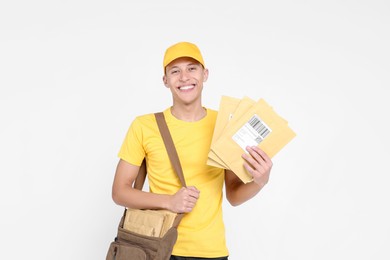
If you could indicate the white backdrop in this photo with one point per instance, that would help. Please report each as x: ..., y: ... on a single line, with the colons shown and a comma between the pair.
x: 73, y: 74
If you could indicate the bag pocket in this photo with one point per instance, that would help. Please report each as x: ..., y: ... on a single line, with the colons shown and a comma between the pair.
x: 122, y: 251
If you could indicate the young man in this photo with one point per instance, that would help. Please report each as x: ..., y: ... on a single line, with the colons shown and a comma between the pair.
x: 201, y: 232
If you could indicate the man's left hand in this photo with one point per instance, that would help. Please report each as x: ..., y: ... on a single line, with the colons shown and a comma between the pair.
x: 258, y: 164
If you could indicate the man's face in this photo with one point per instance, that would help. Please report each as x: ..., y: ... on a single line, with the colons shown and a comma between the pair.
x: 185, y: 77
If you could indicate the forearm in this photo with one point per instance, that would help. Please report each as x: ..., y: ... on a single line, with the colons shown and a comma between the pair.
x: 241, y: 193
x: 125, y: 195
x: 258, y: 164
x: 133, y: 198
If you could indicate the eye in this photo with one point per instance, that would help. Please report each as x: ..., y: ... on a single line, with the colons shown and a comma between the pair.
x: 192, y: 68
x: 174, y: 71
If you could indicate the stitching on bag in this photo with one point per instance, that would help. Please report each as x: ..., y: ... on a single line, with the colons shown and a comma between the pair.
x: 115, y: 252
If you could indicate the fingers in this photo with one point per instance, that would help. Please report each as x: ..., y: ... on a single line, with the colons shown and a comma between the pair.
x: 186, y: 199
x: 191, y: 195
x: 258, y: 164
x: 193, y: 192
x: 257, y: 157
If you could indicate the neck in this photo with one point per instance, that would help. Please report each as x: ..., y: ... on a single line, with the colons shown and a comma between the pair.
x: 188, y: 113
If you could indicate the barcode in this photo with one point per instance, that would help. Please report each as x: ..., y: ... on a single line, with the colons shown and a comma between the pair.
x: 260, y: 128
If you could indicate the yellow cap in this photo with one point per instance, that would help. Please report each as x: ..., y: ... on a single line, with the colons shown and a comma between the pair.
x: 182, y: 49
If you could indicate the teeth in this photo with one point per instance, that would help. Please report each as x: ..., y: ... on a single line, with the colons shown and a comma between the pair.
x: 186, y: 87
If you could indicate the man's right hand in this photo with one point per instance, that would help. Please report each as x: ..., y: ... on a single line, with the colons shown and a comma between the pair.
x: 184, y: 200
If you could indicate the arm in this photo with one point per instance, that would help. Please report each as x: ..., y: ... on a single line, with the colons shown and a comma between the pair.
x: 125, y: 195
x: 259, y: 165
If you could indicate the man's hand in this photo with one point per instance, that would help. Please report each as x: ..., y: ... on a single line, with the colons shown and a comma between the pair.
x: 184, y: 200
x: 258, y: 164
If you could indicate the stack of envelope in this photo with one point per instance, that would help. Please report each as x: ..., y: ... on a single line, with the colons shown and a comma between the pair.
x: 154, y: 223
x: 245, y: 122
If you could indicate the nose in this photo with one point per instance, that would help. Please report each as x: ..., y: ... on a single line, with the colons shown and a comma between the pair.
x: 184, y: 76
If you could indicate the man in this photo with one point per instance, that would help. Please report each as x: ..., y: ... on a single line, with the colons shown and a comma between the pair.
x: 201, y: 232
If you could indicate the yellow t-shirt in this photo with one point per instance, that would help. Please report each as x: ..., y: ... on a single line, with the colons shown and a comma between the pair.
x: 201, y: 233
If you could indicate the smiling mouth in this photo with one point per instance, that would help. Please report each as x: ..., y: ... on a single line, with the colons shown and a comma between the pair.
x: 186, y: 87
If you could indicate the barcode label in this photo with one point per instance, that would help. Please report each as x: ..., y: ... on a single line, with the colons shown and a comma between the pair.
x: 252, y: 133
x: 260, y: 127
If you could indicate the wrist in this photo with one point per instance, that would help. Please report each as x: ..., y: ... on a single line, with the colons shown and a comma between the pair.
x: 166, y: 202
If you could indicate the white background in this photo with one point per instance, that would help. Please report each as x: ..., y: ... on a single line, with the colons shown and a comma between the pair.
x: 74, y: 74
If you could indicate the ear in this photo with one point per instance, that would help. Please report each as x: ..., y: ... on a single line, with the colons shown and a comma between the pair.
x: 165, y: 81
x: 205, y: 75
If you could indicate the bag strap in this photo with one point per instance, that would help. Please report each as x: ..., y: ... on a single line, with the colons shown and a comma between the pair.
x: 173, y: 157
x: 171, y: 150
x: 170, y: 146
x: 140, y: 179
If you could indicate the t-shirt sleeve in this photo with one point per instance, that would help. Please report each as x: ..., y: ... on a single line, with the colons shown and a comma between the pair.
x: 132, y: 149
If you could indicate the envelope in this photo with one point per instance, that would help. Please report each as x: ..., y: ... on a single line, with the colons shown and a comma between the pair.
x: 169, y: 219
x: 259, y: 125
x: 145, y: 222
x: 229, y: 109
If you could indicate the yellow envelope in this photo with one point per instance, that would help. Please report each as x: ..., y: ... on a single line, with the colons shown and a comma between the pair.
x: 229, y: 109
x: 227, y: 106
x: 169, y: 219
x: 145, y: 222
x: 260, y: 126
